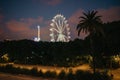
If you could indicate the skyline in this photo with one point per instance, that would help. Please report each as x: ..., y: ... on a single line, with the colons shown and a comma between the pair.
x: 19, y: 19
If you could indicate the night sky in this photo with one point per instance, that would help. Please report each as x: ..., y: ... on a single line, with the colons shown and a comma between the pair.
x: 19, y: 18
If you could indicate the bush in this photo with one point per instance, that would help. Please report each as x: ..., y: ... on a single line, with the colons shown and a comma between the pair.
x: 70, y: 75
x: 62, y: 75
x: 50, y: 74
x: 79, y: 75
x: 101, y: 76
x: 40, y: 73
x: 34, y: 71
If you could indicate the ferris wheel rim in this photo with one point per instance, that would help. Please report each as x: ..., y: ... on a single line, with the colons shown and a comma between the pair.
x: 59, y: 29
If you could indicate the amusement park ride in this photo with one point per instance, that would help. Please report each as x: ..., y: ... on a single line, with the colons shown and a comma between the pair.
x: 59, y: 30
x: 37, y: 39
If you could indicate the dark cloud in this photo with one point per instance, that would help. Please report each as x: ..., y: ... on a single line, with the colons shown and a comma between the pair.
x: 49, y: 2
x: 20, y: 29
x: 19, y: 19
x: 110, y: 14
x: 53, y: 2
x: 1, y: 18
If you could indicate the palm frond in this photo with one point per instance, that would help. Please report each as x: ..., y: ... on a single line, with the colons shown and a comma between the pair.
x: 89, y: 22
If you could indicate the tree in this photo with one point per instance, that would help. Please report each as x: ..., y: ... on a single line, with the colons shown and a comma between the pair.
x: 90, y: 24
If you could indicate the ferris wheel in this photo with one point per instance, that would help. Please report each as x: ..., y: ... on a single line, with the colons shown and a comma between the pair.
x: 59, y: 28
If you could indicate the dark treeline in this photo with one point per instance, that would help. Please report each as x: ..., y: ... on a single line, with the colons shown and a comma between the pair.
x: 112, y: 32
x: 27, y: 51
x: 77, y: 75
x: 62, y: 53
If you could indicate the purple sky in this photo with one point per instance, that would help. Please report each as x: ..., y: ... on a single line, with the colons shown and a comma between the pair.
x: 19, y: 18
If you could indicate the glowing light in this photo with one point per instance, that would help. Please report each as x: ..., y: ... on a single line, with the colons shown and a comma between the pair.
x: 59, y: 29
x: 38, y: 34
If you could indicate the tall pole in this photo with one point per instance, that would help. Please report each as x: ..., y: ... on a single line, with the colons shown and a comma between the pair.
x: 38, y: 32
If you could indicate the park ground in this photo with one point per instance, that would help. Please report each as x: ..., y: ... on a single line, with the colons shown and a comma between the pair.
x: 6, y: 76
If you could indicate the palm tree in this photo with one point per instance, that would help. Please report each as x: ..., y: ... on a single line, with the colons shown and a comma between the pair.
x: 90, y: 24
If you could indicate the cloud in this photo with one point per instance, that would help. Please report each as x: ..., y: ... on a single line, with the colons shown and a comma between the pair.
x: 1, y: 31
x: 3, y: 34
x: 45, y: 33
x: 32, y: 20
x: 22, y: 24
x: 52, y: 2
x: 1, y: 17
x: 18, y: 29
x: 24, y: 27
x: 74, y: 18
x: 48, y: 2
x: 73, y: 21
x: 16, y: 26
x: 109, y: 15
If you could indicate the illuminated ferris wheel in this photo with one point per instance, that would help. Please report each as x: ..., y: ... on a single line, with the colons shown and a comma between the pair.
x: 59, y: 28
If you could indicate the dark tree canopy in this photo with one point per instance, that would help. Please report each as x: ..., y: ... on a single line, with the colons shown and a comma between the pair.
x: 90, y: 22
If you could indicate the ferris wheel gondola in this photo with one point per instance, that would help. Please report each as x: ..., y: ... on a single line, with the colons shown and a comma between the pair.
x: 59, y: 28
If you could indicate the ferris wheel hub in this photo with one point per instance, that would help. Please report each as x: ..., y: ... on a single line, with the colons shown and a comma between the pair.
x: 60, y: 30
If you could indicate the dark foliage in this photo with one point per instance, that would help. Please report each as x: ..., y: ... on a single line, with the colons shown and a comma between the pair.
x: 61, y: 53
x: 112, y: 32
x: 79, y: 75
x: 44, y: 53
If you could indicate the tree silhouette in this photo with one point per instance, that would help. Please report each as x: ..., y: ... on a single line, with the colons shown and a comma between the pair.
x: 90, y: 23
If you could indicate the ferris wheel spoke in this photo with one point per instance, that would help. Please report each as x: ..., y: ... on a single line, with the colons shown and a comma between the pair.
x: 60, y: 26
x: 57, y: 26
x: 59, y: 29
x: 54, y: 21
x: 63, y: 28
x: 56, y: 30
